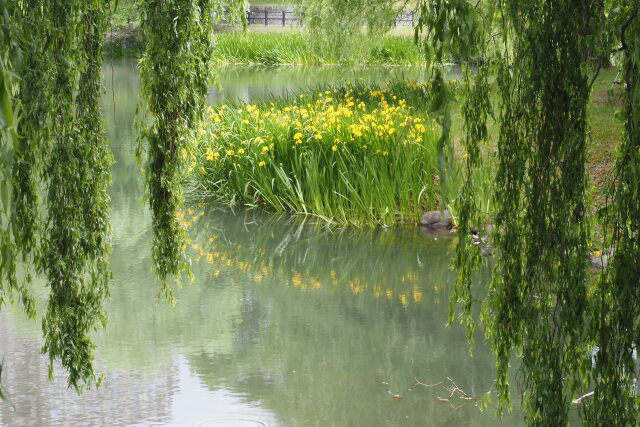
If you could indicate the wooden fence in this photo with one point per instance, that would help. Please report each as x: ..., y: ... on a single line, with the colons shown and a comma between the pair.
x: 286, y: 16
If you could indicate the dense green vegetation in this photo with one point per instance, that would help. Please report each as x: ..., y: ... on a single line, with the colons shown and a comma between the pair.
x: 289, y: 47
x: 541, y: 305
x: 295, y: 47
x: 349, y: 155
x: 66, y: 235
x: 541, y: 59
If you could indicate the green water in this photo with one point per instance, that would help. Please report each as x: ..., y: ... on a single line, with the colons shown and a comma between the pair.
x: 287, y: 323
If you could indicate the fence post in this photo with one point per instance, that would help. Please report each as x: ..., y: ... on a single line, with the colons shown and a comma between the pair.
x: 412, y: 19
x: 283, y: 17
x: 265, y: 18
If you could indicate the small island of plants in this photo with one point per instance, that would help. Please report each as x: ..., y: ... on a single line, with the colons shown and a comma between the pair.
x: 349, y: 155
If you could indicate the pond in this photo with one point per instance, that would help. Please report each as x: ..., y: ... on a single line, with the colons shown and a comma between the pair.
x: 287, y: 323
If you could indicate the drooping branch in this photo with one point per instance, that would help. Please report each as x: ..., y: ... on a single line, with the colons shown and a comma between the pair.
x: 75, y: 240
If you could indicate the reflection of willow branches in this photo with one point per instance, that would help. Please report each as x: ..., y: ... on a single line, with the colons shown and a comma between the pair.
x: 308, y: 254
x: 2, y: 396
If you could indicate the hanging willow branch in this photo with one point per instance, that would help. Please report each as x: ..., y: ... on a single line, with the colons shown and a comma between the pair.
x: 537, y: 297
x: 9, y: 113
x: 75, y: 242
x: 176, y: 72
x: 537, y: 302
x: 617, y: 300
x: 446, y: 30
x: 475, y: 111
x: 32, y: 127
x: 449, y: 30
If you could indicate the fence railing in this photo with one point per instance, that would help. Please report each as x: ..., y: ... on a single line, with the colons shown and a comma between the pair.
x: 270, y: 16
x: 273, y: 17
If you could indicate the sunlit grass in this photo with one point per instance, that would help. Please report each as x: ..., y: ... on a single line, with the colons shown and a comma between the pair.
x: 349, y: 155
x: 296, y: 47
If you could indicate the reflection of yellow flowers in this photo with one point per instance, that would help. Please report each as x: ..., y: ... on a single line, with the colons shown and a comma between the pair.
x: 417, y: 295
x: 377, y: 291
x: 404, y: 300
x: 296, y: 279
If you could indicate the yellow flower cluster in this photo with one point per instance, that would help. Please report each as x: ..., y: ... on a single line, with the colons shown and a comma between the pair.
x: 338, y: 121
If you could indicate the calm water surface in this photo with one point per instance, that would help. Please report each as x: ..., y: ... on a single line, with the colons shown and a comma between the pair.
x: 286, y: 324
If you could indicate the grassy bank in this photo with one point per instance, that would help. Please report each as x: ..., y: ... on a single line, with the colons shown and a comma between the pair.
x: 349, y: 155
x: 296, y: 47
x: 289, y: 46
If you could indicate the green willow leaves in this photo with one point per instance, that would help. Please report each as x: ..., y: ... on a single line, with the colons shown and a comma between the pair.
x: 59, y: 147
x: 10, y: 53
x: 176, y: 72
x: 446, y: 30
x: 336, y: 25
x: 545, y: 57
x: 58, y: 59
x: 616, y: 301
x: 75, y: 238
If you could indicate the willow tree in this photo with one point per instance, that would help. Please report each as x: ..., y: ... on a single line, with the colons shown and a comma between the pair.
x: 51, y: 68
x: 544, y: 63
x: 616, y: 304
x: 9, y: 111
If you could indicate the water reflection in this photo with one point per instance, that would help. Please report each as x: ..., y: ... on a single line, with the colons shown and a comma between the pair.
x: 288, y: 322
x: 171, y: 396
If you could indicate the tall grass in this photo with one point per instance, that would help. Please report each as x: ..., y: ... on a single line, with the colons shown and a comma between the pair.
x: 297, y: 47
x: 350, y: 155
x: 263, y: 48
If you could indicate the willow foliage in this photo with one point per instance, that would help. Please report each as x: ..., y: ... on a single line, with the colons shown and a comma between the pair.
x: 75, y: 236
x: 9, y: 111
x: 335, y: 24
x: 539, y: 285
x: 55, y: 49
x: 175, y: 72
x: 544, y: 58
x: 57, y: 57
x: 616, y: 303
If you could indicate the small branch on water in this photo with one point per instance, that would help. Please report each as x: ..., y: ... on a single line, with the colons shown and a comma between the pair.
x: 450, y: 386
